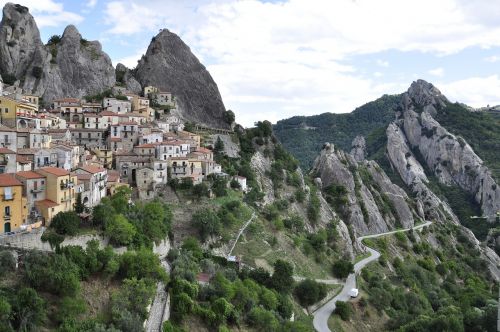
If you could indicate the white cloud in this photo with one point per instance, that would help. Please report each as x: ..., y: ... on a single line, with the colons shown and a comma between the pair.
x: 493, y: 58
x: 438, y: 72
x: 131, y: 60
x: 91, y: 3
x: 49, y: 13
x: 474, y: 91
x: 287, y: 57
x: 382, y: 63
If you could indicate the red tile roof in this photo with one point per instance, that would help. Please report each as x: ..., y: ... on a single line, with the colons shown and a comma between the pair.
x: 9, y: 180
x: 55, y: 171
x: 30, y: 175
x: 6, y: 151
x: 47, y: 203
x: 92, y: 169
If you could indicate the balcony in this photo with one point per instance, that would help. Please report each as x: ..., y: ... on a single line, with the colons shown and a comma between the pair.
x: 6, y: 142
x: 7, y: 217
x: 3, y: 162
x: 37, y: 190
x: 67, y: 185
x: 66, y: 199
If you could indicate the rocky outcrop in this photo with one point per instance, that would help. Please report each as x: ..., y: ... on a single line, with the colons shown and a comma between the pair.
x: 71, y: 67
x: 447, y: 156
x: 358, y: 150
x: 374, y: 203
x: 170, y: 65
x: 126, y: 78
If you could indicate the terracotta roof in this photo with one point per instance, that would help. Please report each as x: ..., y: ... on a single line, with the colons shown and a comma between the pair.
x: 9, y: 180
x: 30, y: 175
x: 127, y: 123
x: 6, y: 151
x: 22, y: 159
x: 203, y: 150
x: 83, y: 176
x: 113, y: 176
x: 108, y: 113
x: 5, y: 128
x: 92, y: 169
x: 55, y: 171
x: 46, y: 203
x: 27, y: 151
x: 147, y: 145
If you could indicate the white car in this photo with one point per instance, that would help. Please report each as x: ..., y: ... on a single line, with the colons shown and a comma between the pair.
x: 353, y: 292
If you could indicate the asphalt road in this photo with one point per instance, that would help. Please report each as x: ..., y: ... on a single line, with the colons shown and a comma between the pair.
x: 322, y: 314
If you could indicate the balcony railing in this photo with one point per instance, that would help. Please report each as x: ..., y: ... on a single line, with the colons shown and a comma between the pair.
x: 67, y: 185
x: 66, y: 199
x: 37, y: 190
x: 6, y: 142
x: 7, y: 217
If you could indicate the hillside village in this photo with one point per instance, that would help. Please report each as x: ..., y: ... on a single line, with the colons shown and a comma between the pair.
x: 81, y: 150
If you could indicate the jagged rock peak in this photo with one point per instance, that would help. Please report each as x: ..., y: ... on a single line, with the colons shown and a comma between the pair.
x: 170, y: 65
x: 71, y: 32
x: 358, y: 150
x: 424, y: 93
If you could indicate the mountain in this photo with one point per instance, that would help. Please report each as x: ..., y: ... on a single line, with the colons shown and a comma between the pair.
x: 170, y: 65
x: 71, y: 66
x: 305, y: 135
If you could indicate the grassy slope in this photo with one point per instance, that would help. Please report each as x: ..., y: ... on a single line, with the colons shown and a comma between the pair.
x: 339, y: 129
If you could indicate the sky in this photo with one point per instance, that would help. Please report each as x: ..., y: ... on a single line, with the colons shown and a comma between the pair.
x: 277, y: 59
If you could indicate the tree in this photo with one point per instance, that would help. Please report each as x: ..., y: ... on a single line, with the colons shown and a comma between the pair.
x: 207, y: 222
x: 342, y: 268
x: 70, y: 307
x: 120, y: 230
x: 235, y: 184
x: 7, y: 262
x: 79, y: 206
x: 5, y: 315
x: 282, y: 278
x: 66, y: 223
x: 29, y: 310
x: 222, y: 309
x: 263, y: 319
x: 133, y: 298
x: 219, y: 145
x: 309, y: 292
x: 343, y: 309
x: 229, y: 117
x: 182, y: 305
x: 219, y: 186
x: 54, y: 39
x: 200, y: 190
x: 141, y: 264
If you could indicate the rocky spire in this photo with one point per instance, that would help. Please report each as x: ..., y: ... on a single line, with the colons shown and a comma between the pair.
x: 170, y: 65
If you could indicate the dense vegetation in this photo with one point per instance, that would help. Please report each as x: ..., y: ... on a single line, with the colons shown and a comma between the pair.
x: 233, y: 298
x: 480, y: 129
x: 445, y: 287
x: 304, y: 136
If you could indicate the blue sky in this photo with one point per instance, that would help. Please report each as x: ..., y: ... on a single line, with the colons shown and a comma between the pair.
x: 275, y: 59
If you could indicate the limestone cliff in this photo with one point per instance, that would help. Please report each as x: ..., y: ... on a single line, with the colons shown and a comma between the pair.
x: 450, y: 158
x: 170, y: 65
x: 372, y: 203
x: 69, y: 67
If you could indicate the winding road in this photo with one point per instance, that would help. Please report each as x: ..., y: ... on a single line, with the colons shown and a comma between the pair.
x: 322, y: 314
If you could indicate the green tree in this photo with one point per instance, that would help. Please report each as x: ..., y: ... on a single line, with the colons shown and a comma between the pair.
x: 66, y: 223
x: 219, y: 145
x: 79, y: 206
x: 207, y: 222
x: 343, y: 309
x: 263, y: 320
x: 342, y: 268
x: 200, y: 190
x: 29, y: 310
x: 70, y: 307
x: 222, y: 309
x: 5, y: 315
x: 282, y: 278
x: 7, y: 262
x: 140, y: 264
x: 309, y: 292
x: 120, y: 230
x: 229, y: 117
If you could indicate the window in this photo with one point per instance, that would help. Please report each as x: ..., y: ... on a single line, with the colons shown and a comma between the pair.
x: 7, y: 191
x: 7, y: 211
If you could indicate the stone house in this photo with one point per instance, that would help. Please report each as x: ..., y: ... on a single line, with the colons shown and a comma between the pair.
x: 8, y: 162
x: 95, y: 184
x: 33, y: 189
x: 117, y: 105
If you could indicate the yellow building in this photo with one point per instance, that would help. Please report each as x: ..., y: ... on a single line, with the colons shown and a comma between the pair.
x: 13, y: 210
x: 104, y: 156
x: 150, y: 89
x: 139, y: 103
x: 59, y: 194
x: 11, y: 109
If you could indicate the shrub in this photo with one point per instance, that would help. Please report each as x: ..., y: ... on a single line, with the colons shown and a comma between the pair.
x: 65, y: 223
x: 120, y: 230
x: 309, y: 292
x: 342, y: 268
x: 343, y: 309
x: 37, y: 72
x: 7, y: 262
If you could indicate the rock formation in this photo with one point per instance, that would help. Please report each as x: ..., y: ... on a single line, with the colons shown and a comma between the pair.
x: 69, y: 67
x: 447, y: 156
x: 358, y: 151
x: 374, y: 203
x: 125, y: 77
x: 170, y: 65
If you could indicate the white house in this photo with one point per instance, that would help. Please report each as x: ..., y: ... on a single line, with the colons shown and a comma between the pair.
x: 95, y: 181
x: 242, y: 181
